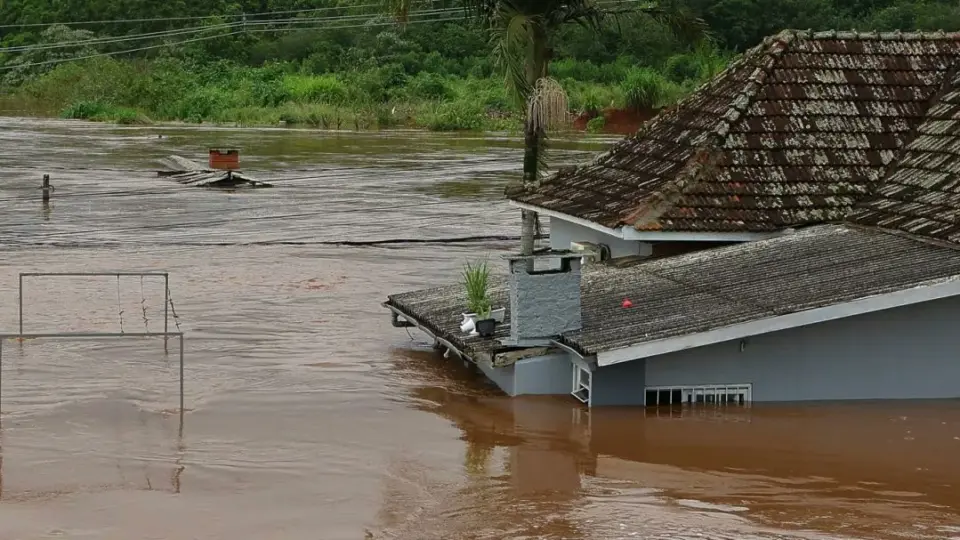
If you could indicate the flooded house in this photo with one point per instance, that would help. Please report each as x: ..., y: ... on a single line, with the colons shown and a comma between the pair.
x: 789, y: 232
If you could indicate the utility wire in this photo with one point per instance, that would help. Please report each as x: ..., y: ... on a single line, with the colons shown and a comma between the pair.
x: 244, y: 23
x: 318, y: 207
x: 160, y: 246
x: 189, y: 18
x: 240, y: 219
x: 208, y: 38
x: 172, y: 188
x: 197, y: 29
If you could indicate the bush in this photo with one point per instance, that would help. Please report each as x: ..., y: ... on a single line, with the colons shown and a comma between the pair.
x: 596, y: 124
x: 83, y: 110
x: 456, y: 116
x: 126, y: 116
x: 583, y: 71
x: 101, y: 112
x: 320, y: 89
x: 376, y: 85
x: 488, y: 93
x: 682, y: 67
x: 644, y: 88
x: 428, y: 86
x: 206, y: 103
x: 591, y: 97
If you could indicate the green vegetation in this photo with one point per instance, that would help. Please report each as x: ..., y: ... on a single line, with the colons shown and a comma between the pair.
x: 92, y: 110
x: 476, y: 279
x: 349, y: 66
x: 596, y: 124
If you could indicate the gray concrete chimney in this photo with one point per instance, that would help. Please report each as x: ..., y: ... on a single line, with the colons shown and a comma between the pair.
x: 546, y: 302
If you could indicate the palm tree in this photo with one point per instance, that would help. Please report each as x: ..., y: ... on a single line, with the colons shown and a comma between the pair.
x: 522, y: 32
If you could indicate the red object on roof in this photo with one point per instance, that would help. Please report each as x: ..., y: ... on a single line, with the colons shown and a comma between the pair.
x: 627, y: 303
x: 224, y: 159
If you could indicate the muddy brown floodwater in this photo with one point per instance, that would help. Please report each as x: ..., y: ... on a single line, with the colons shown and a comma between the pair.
x: 310, y: 417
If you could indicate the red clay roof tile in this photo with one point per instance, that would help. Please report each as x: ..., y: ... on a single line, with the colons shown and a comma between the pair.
x: 804, y: 126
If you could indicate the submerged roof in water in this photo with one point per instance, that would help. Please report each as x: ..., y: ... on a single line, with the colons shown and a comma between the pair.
x: 191, y: 173
x: 698, y: 292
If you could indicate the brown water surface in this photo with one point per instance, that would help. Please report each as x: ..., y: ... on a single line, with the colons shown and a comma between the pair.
x: 310, y: 417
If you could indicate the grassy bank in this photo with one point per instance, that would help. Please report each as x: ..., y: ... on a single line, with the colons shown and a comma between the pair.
x: 144, y: 91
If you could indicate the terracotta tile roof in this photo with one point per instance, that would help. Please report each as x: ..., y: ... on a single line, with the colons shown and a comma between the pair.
x: 688, y: 294
x: 921, y: 194
x: 797, y: 131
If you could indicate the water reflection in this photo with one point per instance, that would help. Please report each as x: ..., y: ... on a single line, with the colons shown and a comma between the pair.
x: 876, y: 469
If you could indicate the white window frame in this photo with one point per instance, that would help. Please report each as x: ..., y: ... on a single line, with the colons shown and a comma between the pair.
x: 582, y: 384
x: 711, y: 394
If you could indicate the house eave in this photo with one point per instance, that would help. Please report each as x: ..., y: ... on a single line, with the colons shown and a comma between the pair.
x: 932, y: 291
x: 631, y: 234
x: 436, y: 339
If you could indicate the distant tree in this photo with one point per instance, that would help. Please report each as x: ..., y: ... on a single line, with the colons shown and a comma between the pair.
x: 522, y: 38
x: 57, y: 43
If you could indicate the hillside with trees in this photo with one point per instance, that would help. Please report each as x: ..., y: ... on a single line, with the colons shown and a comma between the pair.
x: 350, y: 65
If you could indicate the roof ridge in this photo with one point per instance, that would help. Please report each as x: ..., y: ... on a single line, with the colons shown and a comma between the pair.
x: 705, y: 158
x: 950, y: 84
x: 671, y: 111
x: 873, y: 35
x: 951, y: 81
x: 774, y: 47
x: 785, y: 38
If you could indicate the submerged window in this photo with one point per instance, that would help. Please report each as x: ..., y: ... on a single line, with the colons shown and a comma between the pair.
x: 730, y: 394
x: 581, y: 384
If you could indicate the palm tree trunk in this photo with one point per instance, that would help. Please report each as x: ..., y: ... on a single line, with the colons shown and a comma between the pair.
x: 532, y: 144
x: 531, y: 161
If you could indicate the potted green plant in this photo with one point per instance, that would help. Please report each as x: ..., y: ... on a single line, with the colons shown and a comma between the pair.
x: 480, y: 320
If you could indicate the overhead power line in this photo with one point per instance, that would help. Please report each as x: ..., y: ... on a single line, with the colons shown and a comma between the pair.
x: 199, y: 29
x: 190, y: 18
x: 318, y: 208
x: 218, y: 36
x: 245, y: 26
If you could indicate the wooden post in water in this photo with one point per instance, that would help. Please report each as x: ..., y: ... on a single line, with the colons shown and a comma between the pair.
x: 46, y: 188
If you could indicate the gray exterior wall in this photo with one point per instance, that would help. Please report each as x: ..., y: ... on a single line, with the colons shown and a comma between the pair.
x: 540, y: 375
x: 618, y: 384
x: 502, y: 377
x: 562, y: 233
x: 911, y: 352
x: 543, y: 375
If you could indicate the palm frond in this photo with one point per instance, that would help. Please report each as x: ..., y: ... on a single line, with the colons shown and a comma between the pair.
x: 513, y: 50
x: 678, y: 17
x: 586, y: 13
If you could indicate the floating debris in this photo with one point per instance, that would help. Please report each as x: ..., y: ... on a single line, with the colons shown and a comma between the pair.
x: 191, y: 173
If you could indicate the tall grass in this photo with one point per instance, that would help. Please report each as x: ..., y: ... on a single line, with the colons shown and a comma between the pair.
x: 378, y: 97
x: 476, y: 279
x: 644, y: 88
x: 315, y: 89
x: 100, y: 112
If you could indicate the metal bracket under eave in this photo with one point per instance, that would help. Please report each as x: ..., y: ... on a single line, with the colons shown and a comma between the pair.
x: 399, y: 322
x: 395, y: 320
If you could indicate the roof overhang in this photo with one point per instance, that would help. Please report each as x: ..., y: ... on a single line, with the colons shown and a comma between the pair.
x: 430, y: 333
x: 630, y: 233
x: 916, y: 295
